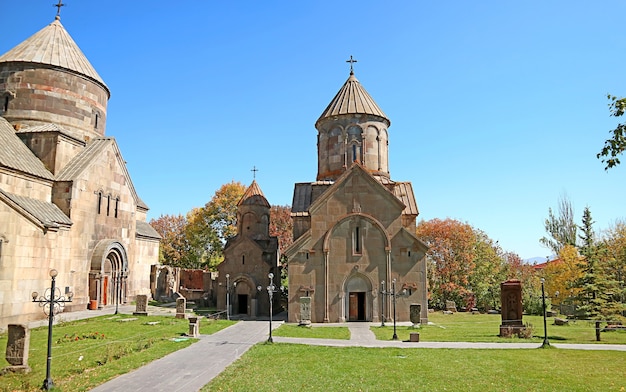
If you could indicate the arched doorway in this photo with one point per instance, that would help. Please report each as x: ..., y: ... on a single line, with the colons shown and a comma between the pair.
x: 109, y: 273
x: 358, y: 299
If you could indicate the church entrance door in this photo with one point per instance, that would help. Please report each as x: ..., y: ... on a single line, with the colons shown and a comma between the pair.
x: 356, y: 311
x: 242, y: 306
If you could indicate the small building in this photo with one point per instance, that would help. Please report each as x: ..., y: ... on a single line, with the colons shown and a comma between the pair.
x: 249, y: 257
x: 354, y: 227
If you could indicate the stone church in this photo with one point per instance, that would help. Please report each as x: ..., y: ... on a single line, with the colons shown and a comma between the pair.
x: 354, y: 227
x: 67, y: 201
x: 249, y: 258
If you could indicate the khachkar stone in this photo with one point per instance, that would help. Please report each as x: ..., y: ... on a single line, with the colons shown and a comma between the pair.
x: 181, y: 305
x: 141, y: 307
x: 415, y: 312
x: 511, y: 302
x: 18, y: 343
x: 305, y: 310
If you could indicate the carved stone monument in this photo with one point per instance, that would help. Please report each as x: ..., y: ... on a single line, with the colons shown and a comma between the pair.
x: 18, y: 343
x: 511, y: 299
x: 141, y: 307
x: 181, y: 305
x: 415, y: 311
x: 194, y: 327
x: 305, y: 310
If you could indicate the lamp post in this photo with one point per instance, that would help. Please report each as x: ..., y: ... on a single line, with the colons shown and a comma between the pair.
x: 393, y: 292
x: 52, y: 302
x: 227, y: 296
x: 545, y: 343
x: 270, y: 293
x: 118, y: 289
x: 382, y: 303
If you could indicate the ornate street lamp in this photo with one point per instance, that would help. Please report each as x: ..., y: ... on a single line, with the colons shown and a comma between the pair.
x: 227, y: 296
x: 118, y: 289
x: 545, y: 343
x: 52, y: 302
x: 393, y: 292
x: 382, y: 303
x: 270, y: 293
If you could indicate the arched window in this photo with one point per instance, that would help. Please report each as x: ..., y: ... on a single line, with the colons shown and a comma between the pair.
x: 356, y: 241
x: 117, y: 204
x: 99, y: 202
x: 5, y: 105
x: 108, y: 204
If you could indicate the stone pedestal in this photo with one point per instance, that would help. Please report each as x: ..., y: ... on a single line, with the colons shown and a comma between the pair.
x: 141, y: 307
x: 18, y: 343
x: 512, y: 310
x: 414, y: 337
x: 194, y: 327
x: 305, y: 311
x: 181, y: 306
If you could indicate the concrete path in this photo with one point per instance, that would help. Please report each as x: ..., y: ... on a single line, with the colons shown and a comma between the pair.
x: 189, y: 369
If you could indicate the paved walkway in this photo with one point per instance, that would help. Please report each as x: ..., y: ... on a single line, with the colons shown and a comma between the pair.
x: 189, y: 369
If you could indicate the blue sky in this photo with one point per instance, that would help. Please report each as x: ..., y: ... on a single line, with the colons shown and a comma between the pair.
x: 497, y: 108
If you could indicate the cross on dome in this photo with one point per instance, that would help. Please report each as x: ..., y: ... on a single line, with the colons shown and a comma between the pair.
x: 58, y: 5
x: 351, y: 61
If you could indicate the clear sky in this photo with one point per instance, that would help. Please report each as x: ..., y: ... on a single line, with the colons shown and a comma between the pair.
x: 497, y: 108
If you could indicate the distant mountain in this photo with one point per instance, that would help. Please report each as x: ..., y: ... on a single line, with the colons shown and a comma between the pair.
x: 536, y: 260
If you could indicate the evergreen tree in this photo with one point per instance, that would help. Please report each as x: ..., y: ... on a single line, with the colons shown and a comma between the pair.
x: 596, y: 294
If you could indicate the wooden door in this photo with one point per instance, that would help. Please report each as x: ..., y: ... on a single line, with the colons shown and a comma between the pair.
x: 353, y: 307
x: 105, y: 290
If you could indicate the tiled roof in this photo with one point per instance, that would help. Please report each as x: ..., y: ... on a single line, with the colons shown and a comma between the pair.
x: 43, y: 212
x: 83, y: 159
x: 52, y: 45
x: 145, y: 230
x: 253, y: 196
x: 15, y: 154
x: 404, y: 192
x: 301, y: 198
x: 352, y: 99
x: 49, y: 127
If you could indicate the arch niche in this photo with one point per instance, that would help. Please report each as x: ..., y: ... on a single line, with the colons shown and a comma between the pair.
x: 245, y: 297
x: 109, y: 273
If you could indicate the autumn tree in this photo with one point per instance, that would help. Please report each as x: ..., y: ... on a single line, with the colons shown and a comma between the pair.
x: 174, y: 248
x: 210, y: 226
x: 489, y: 271
x: 281, y: 226
x: 616, y: 144
x: 561, y: 228
x: 560, y: 275
x: 450, y: 258
x: 615, y: 266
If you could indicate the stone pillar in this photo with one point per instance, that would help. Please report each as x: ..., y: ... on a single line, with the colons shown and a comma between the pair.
x: 181, y: 305
x: 194, y: 327
x: 18, y: 343
x: 141, y: 307
x: 512, y: 310
x: 305, y: 311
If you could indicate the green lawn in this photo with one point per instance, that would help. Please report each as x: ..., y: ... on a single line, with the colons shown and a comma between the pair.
x: 467, y: 327
x: 88, y: 352
x: 295, y: 331
x: 292, y: 367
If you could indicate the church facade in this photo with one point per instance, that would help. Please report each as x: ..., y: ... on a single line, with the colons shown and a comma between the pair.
x: 249, y: 258
x: 355, y: 252
x: 67, y: 201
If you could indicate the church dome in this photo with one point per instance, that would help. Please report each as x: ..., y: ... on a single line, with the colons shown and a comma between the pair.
x: 47, y: 79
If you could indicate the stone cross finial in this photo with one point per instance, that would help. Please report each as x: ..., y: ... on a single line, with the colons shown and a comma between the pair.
x: 254, y: 170
x: 351, y: 61
x: 59, y: 5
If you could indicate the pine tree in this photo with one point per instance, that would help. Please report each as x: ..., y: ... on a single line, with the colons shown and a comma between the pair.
x: 596, y: 289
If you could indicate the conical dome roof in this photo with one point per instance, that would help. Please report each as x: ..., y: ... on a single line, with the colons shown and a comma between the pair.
x: 52, y: 45
x: 254, y: 196
x: 352, y: 99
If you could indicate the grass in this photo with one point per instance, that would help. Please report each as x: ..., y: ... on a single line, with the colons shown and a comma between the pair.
x: 467, y: 327
x: 88, y: 352
x: 292, y: 367
x: 294, y: 331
